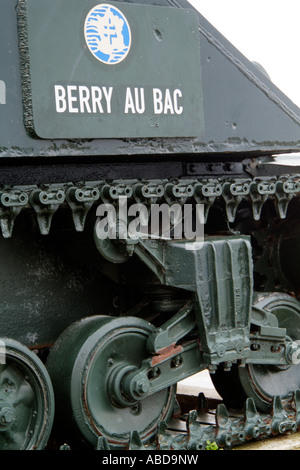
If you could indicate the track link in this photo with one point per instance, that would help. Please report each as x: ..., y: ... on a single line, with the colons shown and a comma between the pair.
x: 80, y: 197
x: 231, y: 428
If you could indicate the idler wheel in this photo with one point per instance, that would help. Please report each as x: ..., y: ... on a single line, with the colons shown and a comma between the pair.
x: 26, y: 399
x: 84, y: 363
x: 264, y: 382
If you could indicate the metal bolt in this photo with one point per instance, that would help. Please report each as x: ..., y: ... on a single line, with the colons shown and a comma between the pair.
x: 212, y: 368
x: 292, y: 353
x: 155, y: 372
x: 7, y: 415
x: 227, y: 366
x: 221, y: 350
x: 142, y: 386
x: 110, y: 362
x: 177, y: 361
x: 239, y: 347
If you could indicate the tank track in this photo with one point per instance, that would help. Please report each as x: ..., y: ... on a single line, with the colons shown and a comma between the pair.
x: 45, y: 200
x: 231, y: 428
x: 226, y: 192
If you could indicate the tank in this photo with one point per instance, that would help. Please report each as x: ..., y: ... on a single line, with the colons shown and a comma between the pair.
x: 149, y: 231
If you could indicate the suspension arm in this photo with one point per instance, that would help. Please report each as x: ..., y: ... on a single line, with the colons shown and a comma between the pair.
x: 176, y: 363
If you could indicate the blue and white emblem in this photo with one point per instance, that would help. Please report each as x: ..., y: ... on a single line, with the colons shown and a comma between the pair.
x: 107, y: 34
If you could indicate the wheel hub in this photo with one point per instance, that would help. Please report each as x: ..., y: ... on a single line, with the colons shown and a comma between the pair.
x: 26, y: 400
x: 100, y: 351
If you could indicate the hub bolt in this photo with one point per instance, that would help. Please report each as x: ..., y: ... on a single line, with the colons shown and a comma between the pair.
x: 7, y: 416
x: 141, y: 386
x: 292, y: 353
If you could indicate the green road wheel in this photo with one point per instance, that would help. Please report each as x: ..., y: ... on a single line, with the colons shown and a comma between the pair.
x: 26, y: 399
x: 263, y: 382
x: 82, y: 364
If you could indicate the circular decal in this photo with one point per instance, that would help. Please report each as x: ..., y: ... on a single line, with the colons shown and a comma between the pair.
x: 107, y: 34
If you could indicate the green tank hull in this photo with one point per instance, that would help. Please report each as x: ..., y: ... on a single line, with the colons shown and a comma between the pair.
x: 148, y: 233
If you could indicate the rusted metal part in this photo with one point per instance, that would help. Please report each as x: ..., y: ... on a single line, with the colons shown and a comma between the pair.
x: 165, y: 353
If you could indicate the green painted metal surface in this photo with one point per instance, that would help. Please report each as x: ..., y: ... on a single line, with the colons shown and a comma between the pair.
x: 83, y: 366
x: 45, y: 285
x: 219, y: 274
x: 60, y: 98
x: 73, y: 94
x: 26, y: 399
x: 242, y: 110
x: 261, y: 381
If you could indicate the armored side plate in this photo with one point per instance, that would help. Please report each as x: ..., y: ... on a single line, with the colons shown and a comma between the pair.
x: 112, y: 70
